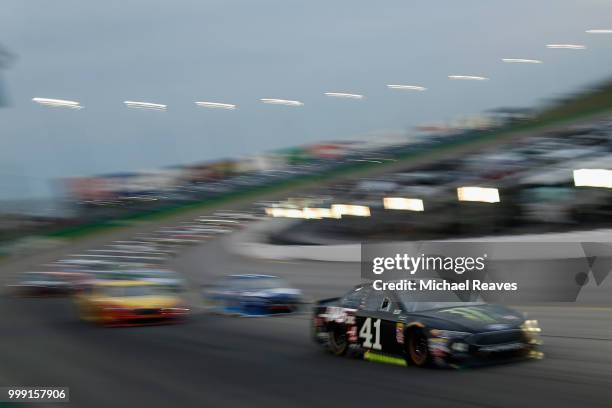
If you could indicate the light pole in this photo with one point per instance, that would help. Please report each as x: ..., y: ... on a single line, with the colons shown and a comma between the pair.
x: 6, y: 58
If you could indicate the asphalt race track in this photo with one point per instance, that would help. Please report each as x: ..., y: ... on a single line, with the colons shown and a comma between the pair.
x: 216, y: 361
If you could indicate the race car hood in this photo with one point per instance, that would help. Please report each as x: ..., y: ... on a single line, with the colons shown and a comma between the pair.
x: 141, y: 302
x: 477, y: 318
x: 275, y: 293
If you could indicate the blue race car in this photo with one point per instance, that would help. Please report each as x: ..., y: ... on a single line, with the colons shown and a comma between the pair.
x: 253, y: 295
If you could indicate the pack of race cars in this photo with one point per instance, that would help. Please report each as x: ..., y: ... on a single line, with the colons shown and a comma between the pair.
x: 365, y: 322
x: 119, y: 294
x: 125, y: 284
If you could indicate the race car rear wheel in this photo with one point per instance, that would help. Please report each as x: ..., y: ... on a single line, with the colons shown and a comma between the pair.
x: 338, y: 343
x: 418, y: 349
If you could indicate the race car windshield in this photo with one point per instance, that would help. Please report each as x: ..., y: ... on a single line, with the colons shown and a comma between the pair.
x: 423, y: 306
x: 431, y: 300
x: 257, y: 283
x: 131, y: 291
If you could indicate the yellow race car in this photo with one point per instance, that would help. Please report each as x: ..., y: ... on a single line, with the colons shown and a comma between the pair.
x: 129, y: 302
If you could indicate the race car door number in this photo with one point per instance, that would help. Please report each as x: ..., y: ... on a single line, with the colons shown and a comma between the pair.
x: 366, y: 334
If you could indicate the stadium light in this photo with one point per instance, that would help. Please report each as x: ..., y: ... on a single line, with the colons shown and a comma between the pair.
x: 286, y: 102
x: 216, y: 105
x: 277, y: 212
x: 566, y: 46
x: 407, y: 87
x: 307, y: 213
x: 57, y: 103
x: 478, y: 194
x: 599, y: 31
x: 344, y: 95
x: 318, y: 213
x: 354, y: 210
x: 521, y: 61
x: 593, y: 178
x: 468, y: 77
x: 398, y: 203
x: 145, y: 105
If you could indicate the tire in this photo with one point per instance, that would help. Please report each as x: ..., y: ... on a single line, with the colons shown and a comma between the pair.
x: 338, y: 343
x: 418, y: 349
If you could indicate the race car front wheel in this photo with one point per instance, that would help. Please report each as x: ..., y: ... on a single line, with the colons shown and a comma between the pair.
x: 418, y: 349
x: 338, y: 343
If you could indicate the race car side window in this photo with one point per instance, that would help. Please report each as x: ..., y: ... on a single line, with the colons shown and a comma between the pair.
x: 374, y: 300
x: 354, y: 299
x: 385, y: 305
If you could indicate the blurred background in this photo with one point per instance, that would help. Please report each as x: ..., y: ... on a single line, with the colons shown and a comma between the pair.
x: 189, y: 151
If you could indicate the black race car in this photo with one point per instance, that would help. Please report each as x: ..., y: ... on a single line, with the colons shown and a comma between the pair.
x: 392, y: 326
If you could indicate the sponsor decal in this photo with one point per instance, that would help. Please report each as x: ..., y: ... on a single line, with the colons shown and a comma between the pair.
x: 498, y: 326
x: 351, y: 334
x: 438, y: 347
x: 399, y: 333
x: 439, y: 351
x: 502, y: 347
x: 334, y: 314
x: 382, y: 358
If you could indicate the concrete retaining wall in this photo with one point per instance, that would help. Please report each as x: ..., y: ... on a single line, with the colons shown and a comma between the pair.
x: 252, y: 243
